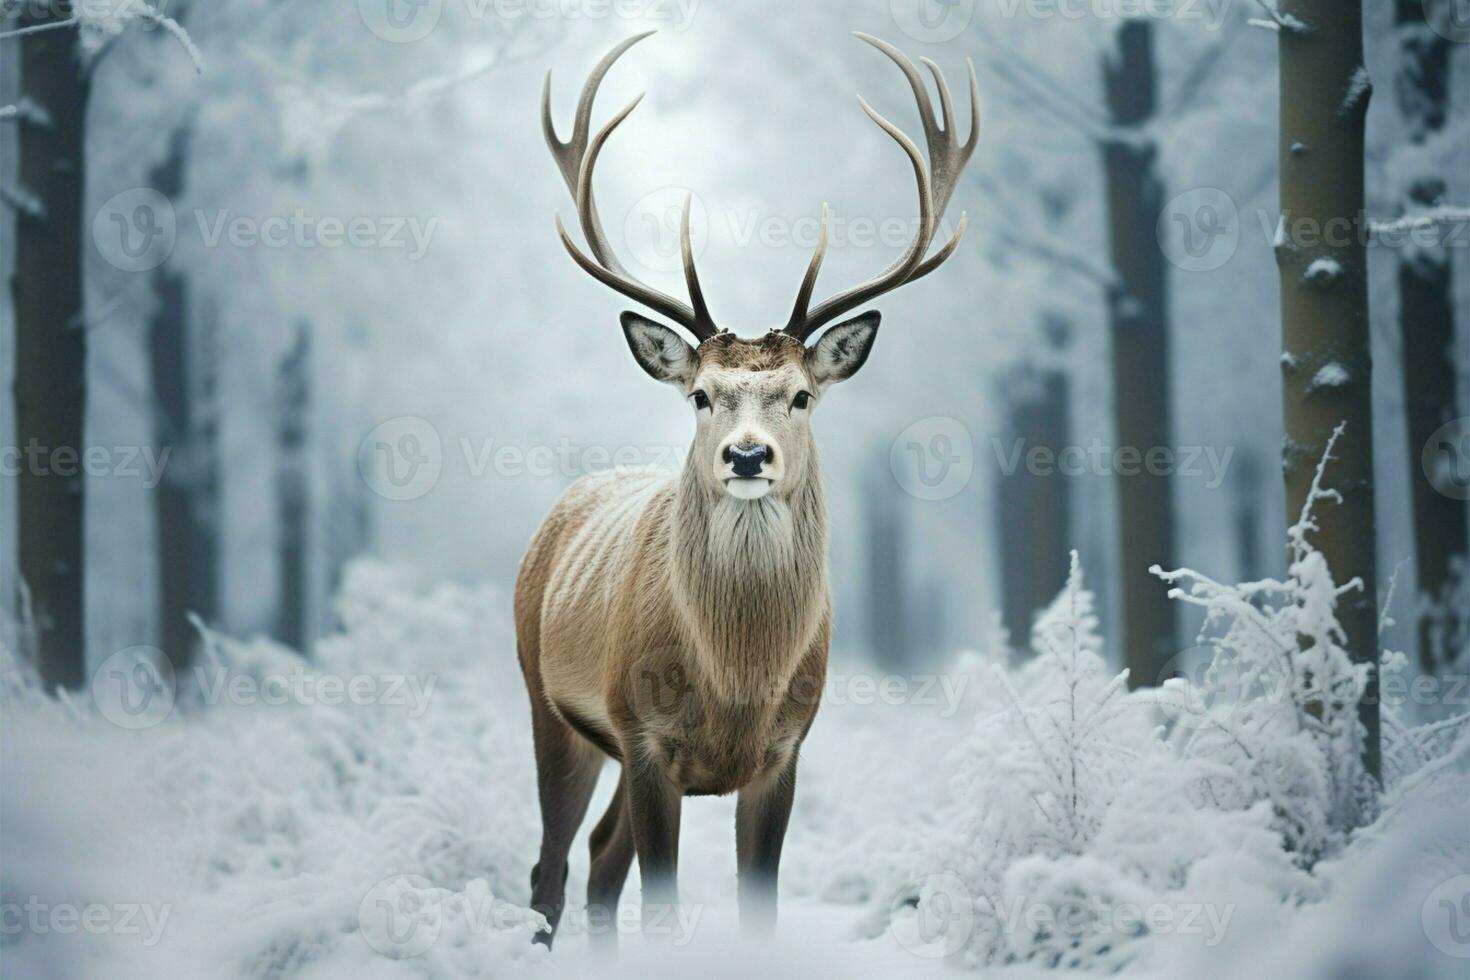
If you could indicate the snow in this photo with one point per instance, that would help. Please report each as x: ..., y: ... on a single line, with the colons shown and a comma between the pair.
x: 1360, y: 85
x: 1426, y: 218
x: 1322, y: 272
x: 1331, y: 375
x: 1034, y: 815
x: 23, y: 201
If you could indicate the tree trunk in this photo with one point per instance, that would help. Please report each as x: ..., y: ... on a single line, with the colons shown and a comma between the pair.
x: 183, y: 500
x: 1427, y: 333
x: 51, y: 351
x: 1033, y: 508
x: 887, y: 585
x: 1138, y: 318
x: 293, y: 403
x: 1246, y: 487
x: 1327, y: 364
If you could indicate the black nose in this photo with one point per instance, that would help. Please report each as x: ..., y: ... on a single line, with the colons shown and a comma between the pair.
x: 747, y: 460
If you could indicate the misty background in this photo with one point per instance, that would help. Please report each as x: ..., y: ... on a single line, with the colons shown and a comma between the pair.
x: 459, y: 320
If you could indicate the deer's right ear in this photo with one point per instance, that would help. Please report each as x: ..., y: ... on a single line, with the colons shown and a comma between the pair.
x: 665, y: 355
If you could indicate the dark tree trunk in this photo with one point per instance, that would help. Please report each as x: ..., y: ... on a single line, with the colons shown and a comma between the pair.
x: 293, y: 406
x: 1327, y: 363
x: 1033, y: 508
x: 1246, y: 518
x: 1138, y: 318
x: 887, y: 587
x: 185, y: 505
x: 51, y: 351
x: 1427, y: 332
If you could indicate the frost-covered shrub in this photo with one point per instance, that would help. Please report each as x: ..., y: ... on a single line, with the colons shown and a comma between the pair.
x: 1085, y: 818
x: 270, y: 806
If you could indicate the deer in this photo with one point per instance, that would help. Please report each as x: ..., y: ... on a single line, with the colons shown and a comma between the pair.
x: 678, y: 623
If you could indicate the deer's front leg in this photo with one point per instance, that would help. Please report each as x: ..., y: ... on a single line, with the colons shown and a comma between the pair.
x: 761, y: 816
x: 653, y: 807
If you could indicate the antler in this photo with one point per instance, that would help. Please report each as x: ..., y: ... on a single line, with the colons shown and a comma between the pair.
x: 575, y: 158
x: 947, y: 159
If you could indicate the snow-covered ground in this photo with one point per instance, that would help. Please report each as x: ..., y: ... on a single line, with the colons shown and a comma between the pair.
x: 370, y: 814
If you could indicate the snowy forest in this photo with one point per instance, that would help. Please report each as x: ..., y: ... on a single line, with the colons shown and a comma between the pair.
x: 1149, y: 515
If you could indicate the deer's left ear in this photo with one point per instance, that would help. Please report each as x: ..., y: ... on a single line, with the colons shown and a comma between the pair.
x: 838, y: 353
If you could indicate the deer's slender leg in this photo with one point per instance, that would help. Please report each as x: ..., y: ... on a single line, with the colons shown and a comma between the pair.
x: 761, y: 815
x: 567, y: 766
x: 611, y: 845
x: 653, y: 811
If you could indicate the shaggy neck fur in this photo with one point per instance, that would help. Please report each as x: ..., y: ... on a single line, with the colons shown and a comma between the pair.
x: 750, y: 582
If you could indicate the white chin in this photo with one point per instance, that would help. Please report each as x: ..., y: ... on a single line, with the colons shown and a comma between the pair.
x: 751, y: 489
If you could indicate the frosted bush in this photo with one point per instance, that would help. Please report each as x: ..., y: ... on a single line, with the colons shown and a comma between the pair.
x: 1084, y: 819
x: 278, y: 818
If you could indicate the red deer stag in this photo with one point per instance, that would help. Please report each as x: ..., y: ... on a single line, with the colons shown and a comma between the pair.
x: 679, y: 623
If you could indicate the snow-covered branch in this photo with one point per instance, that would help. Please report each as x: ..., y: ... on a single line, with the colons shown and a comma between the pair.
x: 1436, y: 217
x: 50, y: 25
x: 1275, y: 20
x: 111, y: 22
x: 25, y: 111
x: 23, y: 201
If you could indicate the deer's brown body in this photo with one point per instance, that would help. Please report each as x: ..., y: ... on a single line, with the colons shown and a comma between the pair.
x: 679, y: 624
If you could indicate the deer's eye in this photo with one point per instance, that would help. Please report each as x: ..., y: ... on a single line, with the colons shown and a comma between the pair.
x: 701, y: 401
x: 802, y: 401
